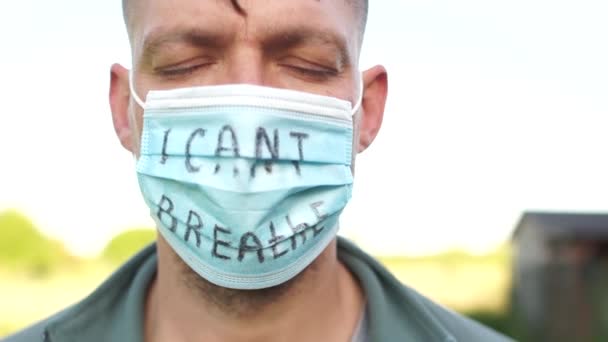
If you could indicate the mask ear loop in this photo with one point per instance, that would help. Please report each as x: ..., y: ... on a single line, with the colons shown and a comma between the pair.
x: 360, y: 98
x: 132, y: 119
x: 133, y: 92
x: 355, y: 110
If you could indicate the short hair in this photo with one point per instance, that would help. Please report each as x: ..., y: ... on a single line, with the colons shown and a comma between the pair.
x: 361, y: 6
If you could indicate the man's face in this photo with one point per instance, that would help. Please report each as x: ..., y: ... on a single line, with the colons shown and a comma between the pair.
x: 305, y: 45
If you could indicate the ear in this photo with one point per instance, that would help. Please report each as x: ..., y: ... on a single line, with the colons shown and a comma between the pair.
x: 120, y: 97
x: 375, y: 83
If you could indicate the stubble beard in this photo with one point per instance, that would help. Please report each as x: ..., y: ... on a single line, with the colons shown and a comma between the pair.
x: 239, y: 303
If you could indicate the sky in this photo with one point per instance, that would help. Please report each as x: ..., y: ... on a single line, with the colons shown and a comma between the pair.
x: 494, y: 108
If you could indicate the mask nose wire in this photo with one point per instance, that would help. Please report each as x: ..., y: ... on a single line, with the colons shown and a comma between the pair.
x: 133, y: 92
x: 141, y: 103
x: 360, y: 98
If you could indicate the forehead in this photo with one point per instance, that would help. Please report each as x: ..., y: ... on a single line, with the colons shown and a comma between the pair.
x: 148, y: 17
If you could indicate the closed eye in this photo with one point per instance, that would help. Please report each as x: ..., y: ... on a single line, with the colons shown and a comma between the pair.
x: 181, y: 71
x: 311, y: 72
x: 183, y: 68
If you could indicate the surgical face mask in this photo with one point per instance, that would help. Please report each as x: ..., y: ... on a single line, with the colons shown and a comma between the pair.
x: 246, y: 183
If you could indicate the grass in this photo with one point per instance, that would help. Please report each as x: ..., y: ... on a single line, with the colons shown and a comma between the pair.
x: 26, y: 299
x: 463, y: 282
x: 474, y: 285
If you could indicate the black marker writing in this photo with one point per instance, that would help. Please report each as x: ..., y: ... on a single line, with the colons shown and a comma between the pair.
x: 261, y: 138
x: 300, y: 229
x: 300, y: 137
x: 317, y: 229
x: 194, y: 227
x: 216, y: 242
x: 320, y: 217
x: 167, y: 211
x: 220, y: 145
x: 246, y: 247
x: 315, y: 207
x: 220, y: 142
x: 164, y: 155
x: 191, y: 168
x: 275, y: 241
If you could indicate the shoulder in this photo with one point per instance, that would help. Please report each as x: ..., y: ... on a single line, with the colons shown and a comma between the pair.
x: 459, y: 326
x: 34, y: 333
x: 395, y: 309
x: 111, y: 310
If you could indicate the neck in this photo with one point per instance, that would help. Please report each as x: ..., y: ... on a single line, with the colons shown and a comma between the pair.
x: 323, y: 303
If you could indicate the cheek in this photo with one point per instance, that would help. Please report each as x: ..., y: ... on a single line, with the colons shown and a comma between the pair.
x: 136, y: 125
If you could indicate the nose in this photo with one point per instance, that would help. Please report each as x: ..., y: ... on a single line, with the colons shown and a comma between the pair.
x: 246, y: 66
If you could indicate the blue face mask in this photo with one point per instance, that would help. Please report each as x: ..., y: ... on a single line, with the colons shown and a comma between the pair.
x: 246, y: 183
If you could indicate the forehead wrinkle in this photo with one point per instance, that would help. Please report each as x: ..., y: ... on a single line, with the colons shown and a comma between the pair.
x: 346, y: 50
x: 360, y: 7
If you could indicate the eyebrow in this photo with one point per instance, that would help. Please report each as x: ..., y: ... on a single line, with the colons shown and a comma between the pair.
x: 274, y: 41
x: 158, y: 40
x: 285, y: 39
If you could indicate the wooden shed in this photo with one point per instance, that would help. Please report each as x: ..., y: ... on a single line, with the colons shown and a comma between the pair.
x: 560, y: 276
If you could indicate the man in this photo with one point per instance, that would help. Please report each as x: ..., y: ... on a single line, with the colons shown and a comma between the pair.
x: 245, y: 117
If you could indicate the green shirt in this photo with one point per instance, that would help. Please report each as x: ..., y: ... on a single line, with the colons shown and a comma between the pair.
x: 114, y: 311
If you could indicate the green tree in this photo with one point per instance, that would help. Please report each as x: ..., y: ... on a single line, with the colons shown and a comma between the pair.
x: 24, y: 248
x: 124, y: 245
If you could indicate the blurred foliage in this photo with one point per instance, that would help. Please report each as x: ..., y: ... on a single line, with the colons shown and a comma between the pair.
x: 6, y: 329
x: 125, y: 245
x: 24, y: 249
x: 503, y: 322
x: 500, y: 256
